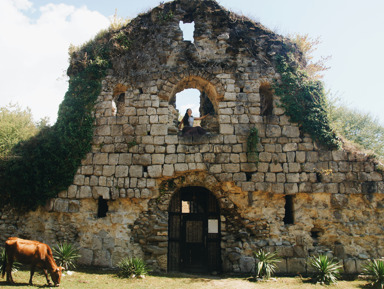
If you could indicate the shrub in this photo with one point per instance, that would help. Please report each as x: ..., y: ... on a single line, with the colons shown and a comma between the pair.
x: 266, y: 263
x: 66, y: 255
x: 374, y: 269
x: 327, y: 270
x: 132, y: 267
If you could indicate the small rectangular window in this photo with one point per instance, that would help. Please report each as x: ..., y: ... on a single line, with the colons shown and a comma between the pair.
x: 288, y: 217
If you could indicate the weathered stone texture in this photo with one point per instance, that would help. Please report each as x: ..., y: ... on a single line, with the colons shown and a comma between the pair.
x: 337, y: 196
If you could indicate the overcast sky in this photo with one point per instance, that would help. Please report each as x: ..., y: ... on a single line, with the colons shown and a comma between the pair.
x: 35, y: 36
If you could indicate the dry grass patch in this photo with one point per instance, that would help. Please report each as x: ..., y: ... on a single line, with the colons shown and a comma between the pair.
x: 93, y: 279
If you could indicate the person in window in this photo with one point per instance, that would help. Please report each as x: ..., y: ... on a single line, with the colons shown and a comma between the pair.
x: 189, y: 129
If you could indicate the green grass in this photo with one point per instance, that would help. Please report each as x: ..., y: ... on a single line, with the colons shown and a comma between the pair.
x: 92, y: 279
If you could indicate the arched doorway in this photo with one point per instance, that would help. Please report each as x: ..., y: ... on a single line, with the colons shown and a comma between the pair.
x: 194, y: 231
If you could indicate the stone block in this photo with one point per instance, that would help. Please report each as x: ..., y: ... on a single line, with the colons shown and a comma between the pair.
x: 100, y: 159
x: 265, y: 157
x: 226, y: 129
x: 247, y: 264
x: 291, y: 188
x: 121, y: 171
x: 159, y: 129
x: 296, y: 265
x: 158, y: 159
x: 168, y: 170
x: 339, y: 155
x: 276, y: 168
x: 350, y: 266
x: 179, y: 167
x: 215, y: 169
x: 100, y: 192
x: 291, y: 131
x: 290, y: 147
x: 136, y: 171
x: 108, y: 171
x: 231, y: 168
x: 85, y: 192
x: 300, y: 157
x: 60, y: 205
x: 155, y: 171
x: 293, y: 178
x: 273, y: 130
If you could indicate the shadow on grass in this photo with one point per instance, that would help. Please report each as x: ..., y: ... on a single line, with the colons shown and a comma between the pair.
x: 19, y: 285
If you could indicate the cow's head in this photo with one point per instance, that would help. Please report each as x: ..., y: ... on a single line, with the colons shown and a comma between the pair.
x: 56, y: 275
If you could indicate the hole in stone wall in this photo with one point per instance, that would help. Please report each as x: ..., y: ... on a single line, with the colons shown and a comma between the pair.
x: 288, y: 216
x: 266, y: 99
x: 114, y: 108
x: 248, y: 176
x: 188, y: 98
x: 188, y: 29
x: 315, y: 235
x: 102, y: 208
x: 118, y: 105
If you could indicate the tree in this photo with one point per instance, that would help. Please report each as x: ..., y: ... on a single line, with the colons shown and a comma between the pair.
x: 356, y: 126
x: 16, y: 125
x: 308, y: 46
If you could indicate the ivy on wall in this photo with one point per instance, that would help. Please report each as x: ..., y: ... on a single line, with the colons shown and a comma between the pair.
x: 46, y: 164
x: 304, y: 101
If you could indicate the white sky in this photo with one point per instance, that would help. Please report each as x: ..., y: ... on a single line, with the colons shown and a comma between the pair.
x: 35, y: 36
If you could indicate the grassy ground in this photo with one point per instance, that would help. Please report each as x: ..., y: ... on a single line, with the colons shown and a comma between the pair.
x: 103, y: 280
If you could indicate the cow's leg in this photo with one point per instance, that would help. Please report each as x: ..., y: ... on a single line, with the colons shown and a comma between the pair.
x: 8, y: 269
x: 33, y: 267
x: 46, y: 276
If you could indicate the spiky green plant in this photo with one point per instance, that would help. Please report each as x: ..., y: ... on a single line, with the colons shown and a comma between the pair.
x: 66, y: 255
x: 326, y: 270
x: 265, y: 263
x: 374, y: 269
x: 132, y: 267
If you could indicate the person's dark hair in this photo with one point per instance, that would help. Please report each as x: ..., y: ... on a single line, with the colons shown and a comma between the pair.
x: 185, y: 118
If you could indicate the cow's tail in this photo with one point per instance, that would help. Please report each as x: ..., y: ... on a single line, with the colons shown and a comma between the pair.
x: 4, y: 264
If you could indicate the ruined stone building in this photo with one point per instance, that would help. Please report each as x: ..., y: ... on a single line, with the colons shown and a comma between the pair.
x: 201, y: 204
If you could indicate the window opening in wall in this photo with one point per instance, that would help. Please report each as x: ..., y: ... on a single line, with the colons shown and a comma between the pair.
x: 288, y: 217
x: 188, y: 98
x: 188, y: 29
x: 266, y: 99
x: 102, y: 209
x: 315, y: 235
x: 114, y: 108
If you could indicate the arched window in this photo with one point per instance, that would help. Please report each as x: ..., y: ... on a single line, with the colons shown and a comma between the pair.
x: 188, y: 98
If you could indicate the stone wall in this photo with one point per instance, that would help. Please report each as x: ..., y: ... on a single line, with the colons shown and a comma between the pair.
x: 137, y: 153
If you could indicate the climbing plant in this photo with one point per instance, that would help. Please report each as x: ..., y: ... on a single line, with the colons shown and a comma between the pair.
x: 252, y: 142
x: 46, y: 164
x: 303, y: 99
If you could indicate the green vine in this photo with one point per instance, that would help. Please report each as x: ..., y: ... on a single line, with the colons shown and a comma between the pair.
x: 252, y: 142
x: 47, y: 163
x: 304, y: 101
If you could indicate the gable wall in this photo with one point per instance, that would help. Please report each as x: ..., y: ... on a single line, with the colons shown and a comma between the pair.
x: 137, y: 151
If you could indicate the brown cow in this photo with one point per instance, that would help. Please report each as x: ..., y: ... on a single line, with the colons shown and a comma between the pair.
x: 32, y: 253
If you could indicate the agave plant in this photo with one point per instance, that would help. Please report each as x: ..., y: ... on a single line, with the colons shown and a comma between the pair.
x: 266, y: 263
x: 66, y: 255
x: 132, y: 267
x: 374, y: 269
x: 326, y: 270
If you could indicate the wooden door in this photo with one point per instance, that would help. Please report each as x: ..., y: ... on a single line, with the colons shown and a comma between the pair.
x: 194, y: 232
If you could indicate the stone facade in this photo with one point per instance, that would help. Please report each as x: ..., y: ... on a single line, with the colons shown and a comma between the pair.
x: 139, y: 160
